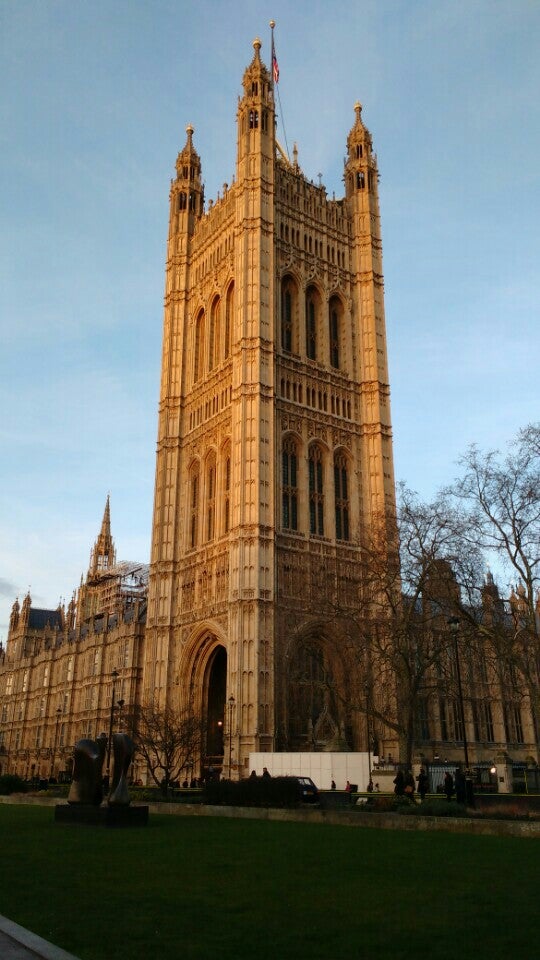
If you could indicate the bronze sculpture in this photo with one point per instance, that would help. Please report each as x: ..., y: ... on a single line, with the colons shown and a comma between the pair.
x: 87, y: 785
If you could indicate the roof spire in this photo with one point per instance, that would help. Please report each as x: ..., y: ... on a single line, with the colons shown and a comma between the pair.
x: 103, y: 555
x: 106, y: 522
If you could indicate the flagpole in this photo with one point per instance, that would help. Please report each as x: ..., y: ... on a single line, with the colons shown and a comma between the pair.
x: 273, y: 51
x: 274, y: 74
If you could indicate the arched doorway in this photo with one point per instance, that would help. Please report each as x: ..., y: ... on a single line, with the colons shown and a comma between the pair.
x: 215, y: 689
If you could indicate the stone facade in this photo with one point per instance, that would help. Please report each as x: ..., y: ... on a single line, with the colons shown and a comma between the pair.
x: 56, y: 674
x: 274, y: 465
x: 274, y: 448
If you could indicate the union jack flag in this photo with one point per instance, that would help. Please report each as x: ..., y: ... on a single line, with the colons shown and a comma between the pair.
x: 275, y: 67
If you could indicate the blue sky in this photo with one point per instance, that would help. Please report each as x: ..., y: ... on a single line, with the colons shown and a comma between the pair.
x: 94, y: 101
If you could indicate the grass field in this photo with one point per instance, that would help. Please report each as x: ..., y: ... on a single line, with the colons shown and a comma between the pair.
x: 199, y: 888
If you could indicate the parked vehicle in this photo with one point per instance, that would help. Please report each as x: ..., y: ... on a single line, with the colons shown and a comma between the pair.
x: 307, y: 791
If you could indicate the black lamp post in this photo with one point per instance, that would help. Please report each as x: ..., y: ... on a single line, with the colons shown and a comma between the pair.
x: 120, y: 704
x: 368, y: 731
x: 453, y: 623
x: 231, y: 702
x: 115, y: 676
x: 8, y: 770
x: 55, y: 744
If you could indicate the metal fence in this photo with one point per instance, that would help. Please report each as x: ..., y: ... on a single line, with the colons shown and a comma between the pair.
x: 484, y: 779
x: 526, y: 778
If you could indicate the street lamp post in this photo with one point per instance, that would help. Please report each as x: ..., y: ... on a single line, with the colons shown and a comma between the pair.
x: 453, y: 623
x: 120, y: 704
x: 115, y: 676
x: 8, y: 770
x: 368, y: 731
x: 55, y: 743
x: 231, y: 702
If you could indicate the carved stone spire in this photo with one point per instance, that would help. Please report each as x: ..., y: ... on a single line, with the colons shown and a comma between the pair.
x: 187, y: 191
x: 103, y: 555
x: 14, y: 618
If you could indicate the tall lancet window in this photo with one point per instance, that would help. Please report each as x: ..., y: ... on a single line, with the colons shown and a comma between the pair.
x: 194, y: 494
x: 316, y: 491
x: 213, y: 335
x: 289, y: 495
x: 229, y: 307
x: 198, y: 347
x: 341, y: 493
x: 210, y: 497
x: 289, y: 306
x: 312, y: 306
x: 227, y: 491
x: 335, y: 313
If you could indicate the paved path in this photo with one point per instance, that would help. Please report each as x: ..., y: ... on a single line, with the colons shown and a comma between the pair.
x: 16, y: 943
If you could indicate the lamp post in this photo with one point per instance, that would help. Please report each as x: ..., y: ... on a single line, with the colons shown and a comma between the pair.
x: 115, y: 676
x: 231, y: 702
x: 368, y: 733
x: 55, y: 742
x: 453, y: 623
x: 8, y: 770
x: 120, y: 704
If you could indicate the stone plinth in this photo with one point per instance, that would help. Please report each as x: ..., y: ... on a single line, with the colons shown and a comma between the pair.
x: 104, y: 816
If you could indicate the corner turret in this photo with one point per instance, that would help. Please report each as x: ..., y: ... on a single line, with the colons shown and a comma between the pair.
x: 361, y: 162
x: 255, y: 114
x: 187, y: 191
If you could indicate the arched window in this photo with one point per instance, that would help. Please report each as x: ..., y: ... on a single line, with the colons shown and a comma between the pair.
x: 198, y: 347
x: 213, y: 334
x: 210, y: 498
x: 312, y: 309
x: 229, y: 307
x: 335, y: 313
x: 182, y: 201
x: 227, y: 492
x: 341, y: 493
x: 316, y: 491
x: 194, y: 505
x: 289, y: 495
x: 289, y: 302
x: 314, y: 710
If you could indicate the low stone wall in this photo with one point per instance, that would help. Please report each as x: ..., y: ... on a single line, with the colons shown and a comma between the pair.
x: 356, y: 818
x: 339, y: 818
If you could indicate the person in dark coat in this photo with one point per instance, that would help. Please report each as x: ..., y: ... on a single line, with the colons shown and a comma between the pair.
x: 409, y: 785
x: 448, y: 785
x: 423, y: 784
x: 461, y: 786
x: 399, y: 784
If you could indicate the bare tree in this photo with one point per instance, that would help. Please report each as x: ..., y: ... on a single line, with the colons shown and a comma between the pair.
x: 499, y: 500
x: 170, y: 741
x: 389, y: 655
x: 387, y: 650
x: 408, y: 600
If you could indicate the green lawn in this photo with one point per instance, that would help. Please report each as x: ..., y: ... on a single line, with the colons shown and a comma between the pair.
x: 250, y: 890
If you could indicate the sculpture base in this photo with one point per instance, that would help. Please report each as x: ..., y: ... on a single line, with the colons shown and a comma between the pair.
x: 84, y: 814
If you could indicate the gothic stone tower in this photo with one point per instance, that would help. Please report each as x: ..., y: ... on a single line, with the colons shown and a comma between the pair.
x: 274, y: 448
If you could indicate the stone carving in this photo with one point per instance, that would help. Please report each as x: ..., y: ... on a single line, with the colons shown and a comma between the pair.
x: 123, y: 749
x: 88, y: 756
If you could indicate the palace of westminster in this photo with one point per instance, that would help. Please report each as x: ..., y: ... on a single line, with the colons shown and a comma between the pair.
x: 274, y: 461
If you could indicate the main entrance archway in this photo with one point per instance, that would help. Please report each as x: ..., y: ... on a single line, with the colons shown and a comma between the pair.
x: 215, y: 689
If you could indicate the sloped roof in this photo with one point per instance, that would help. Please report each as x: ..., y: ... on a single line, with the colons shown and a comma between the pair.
x: 39, y: 618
